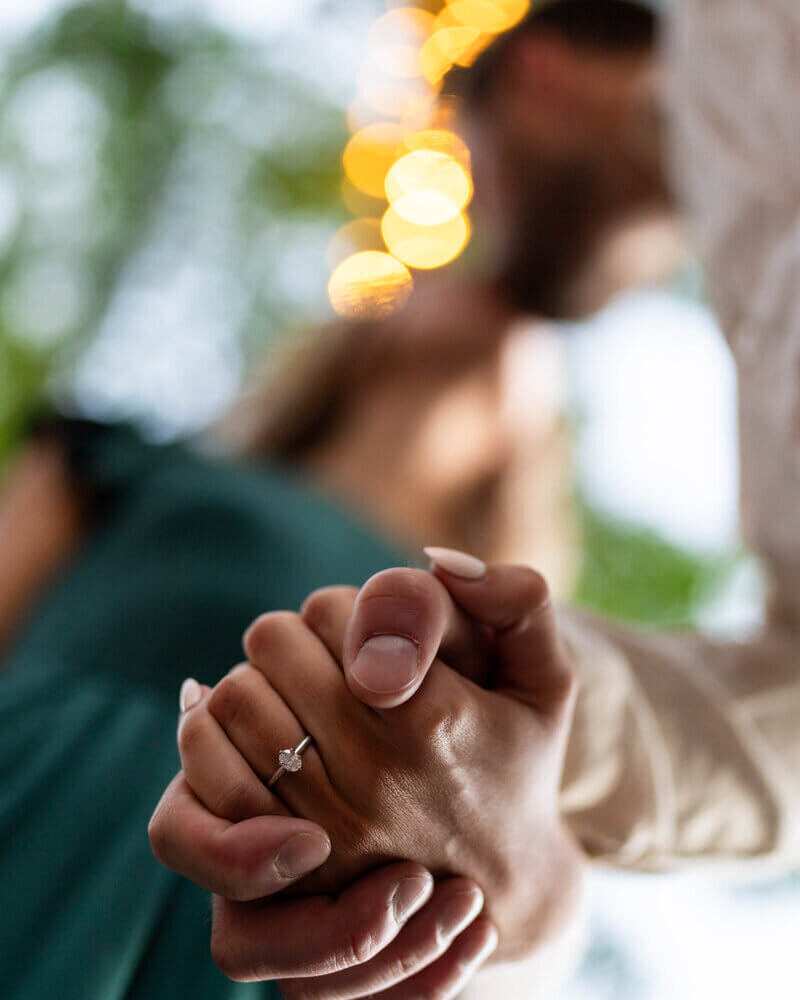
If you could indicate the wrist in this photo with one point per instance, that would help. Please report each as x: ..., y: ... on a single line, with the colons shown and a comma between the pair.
x: 542, y: 898
x: 541, y: 973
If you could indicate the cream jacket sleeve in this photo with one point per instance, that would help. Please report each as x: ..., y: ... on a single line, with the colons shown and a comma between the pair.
x: 685, y: 750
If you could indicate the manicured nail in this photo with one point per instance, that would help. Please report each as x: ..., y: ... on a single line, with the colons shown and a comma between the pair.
x: 191, y: 693
x: 386, y: 664
x: 457, y: 563
x: 301, y: 854
x: 459, y: 911
x: 410, y: 895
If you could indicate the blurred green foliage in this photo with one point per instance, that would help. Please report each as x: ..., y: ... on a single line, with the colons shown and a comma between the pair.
x: 631, y: 574
x: 104, y: 112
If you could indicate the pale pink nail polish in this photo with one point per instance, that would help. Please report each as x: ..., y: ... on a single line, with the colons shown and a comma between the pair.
x: 191, y: 693
x: 457, y: 563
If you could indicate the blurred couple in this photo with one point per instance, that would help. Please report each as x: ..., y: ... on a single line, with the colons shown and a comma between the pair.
x: 455, y: 784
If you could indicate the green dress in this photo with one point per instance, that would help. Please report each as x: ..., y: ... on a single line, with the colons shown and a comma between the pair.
x: 185, y: 552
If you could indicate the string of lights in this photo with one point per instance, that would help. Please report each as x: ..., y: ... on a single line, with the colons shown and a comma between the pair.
x: 407, y: 174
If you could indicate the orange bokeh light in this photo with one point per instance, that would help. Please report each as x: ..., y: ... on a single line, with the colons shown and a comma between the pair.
x: 424, y: 247
x: 428, y: 187
x: 370, y: 154
x: 369, y: 285
x: 403, y: 150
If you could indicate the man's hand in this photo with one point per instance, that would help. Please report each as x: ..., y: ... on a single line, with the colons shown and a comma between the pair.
x: 502, y: 749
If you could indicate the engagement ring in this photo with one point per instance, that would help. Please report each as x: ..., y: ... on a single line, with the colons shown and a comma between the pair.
x: 290, y: 760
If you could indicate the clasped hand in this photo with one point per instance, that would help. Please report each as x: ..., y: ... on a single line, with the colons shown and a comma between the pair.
x: 439, y: 708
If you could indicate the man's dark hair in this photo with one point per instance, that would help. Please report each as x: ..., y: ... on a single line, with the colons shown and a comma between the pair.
x: 612, y: 26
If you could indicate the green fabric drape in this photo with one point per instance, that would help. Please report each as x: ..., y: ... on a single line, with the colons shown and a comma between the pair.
x: 184, y: 553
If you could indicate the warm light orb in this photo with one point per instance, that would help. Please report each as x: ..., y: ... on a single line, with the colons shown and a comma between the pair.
x: 425, y: 208
x: 446, y: 46
x: 428, y: 188
x: 393, y: 98
x: 369, y: 285
x: 369, y: 155
x: 396, y: 38
x: 411, y: 25
x: 490, y: 16
x: 404, y: 149
x: 440, y: 141
x: 424, y: 247
x: 515, y: 10
x: 484, y: 15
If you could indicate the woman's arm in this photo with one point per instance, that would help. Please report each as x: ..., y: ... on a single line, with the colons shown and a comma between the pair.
x: 40, y: 526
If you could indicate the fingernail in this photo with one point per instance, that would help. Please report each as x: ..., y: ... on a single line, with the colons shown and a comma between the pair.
x: 410, y: 895
x: 301, y: 854
x: 457, y: 563
x: 191, y: 693
x: 385, y: 664
x: 458, y: 911
x: 489, y: 947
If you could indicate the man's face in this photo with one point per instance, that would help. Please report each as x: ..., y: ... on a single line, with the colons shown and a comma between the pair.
x: 566, y: 152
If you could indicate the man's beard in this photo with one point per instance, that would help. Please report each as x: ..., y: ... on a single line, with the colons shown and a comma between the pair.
x: 557, y: 223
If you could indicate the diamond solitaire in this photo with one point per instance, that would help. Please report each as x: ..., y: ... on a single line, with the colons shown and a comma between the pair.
x: 290, y: 761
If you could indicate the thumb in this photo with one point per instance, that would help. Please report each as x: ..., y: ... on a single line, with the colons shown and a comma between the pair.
x: 532, y: 663
x: 401, y: 621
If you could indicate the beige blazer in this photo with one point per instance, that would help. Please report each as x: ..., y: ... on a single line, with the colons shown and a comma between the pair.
x: 686, y: 750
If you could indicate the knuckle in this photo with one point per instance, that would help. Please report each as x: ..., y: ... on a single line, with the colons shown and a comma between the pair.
x: 403, y: 583
x: 360, y: 946
x: 266, y: 631
x: 441, y: 725
x: 320, y: 607
x: 532, y: 588
x: 407, y: 964
x: 230, y: 699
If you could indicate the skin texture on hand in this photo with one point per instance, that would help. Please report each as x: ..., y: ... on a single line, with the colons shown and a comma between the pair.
x: 497, y: 625
x: 454, y: 779
x: 391, y: 932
